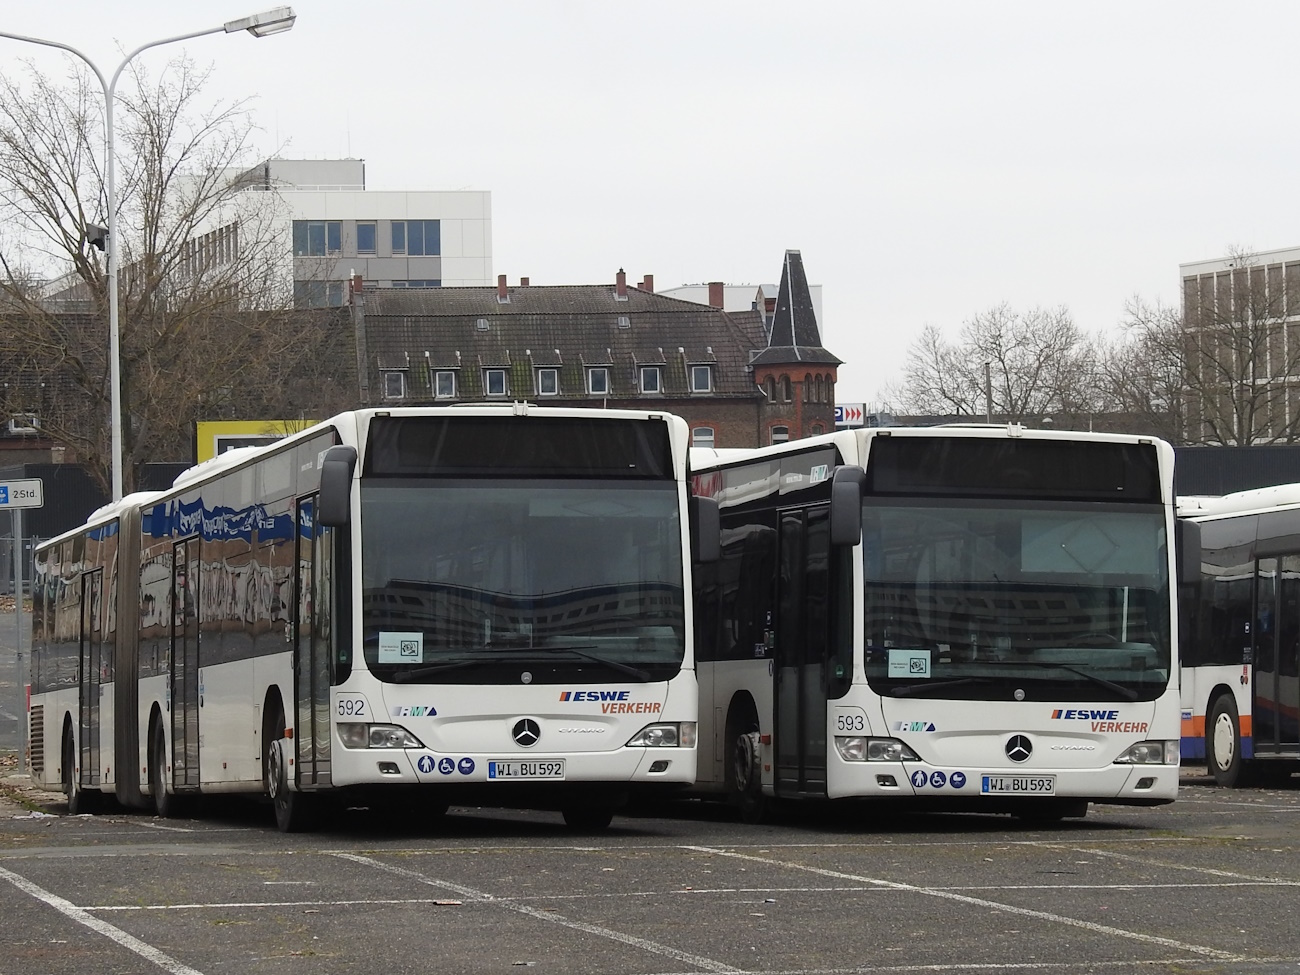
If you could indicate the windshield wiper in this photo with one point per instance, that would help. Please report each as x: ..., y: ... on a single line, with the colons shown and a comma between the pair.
x: 1125, y: 692
x: 913, y: 690
x: 404, y: 676
x: 536, y: 655
x: 618, y: 665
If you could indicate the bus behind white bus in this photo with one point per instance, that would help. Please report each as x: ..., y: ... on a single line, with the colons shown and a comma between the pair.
x: 959, y: 617
x: 1241, y: 648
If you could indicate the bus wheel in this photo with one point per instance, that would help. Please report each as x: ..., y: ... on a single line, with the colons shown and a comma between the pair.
x: 747, y: 777
x: 588, y: 819
x: 166, y: 804
x: 1223, y: 742
x: 294, y: 811
x: 80, y: 802
x: 1052, y: 810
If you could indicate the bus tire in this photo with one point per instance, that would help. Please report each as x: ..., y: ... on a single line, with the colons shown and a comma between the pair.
x: 747, y: 777
x: 587, y: 819
x: 1052, y: 810
x: 166, y: 805
x: 295, y: 812
x: 1223, y: 743
x: 80, y: 802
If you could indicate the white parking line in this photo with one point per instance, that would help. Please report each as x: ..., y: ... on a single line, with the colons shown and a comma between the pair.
x: 701, y: 963
x: 127, y: 941
x: 1210, y: 871
x: 617, y: 895
x: 981, y: 902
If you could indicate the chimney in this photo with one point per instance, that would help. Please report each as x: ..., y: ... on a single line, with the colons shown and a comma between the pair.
x: 355, y: 288
x: 715, y: 294
x: 648, y: 284
x: 620, y: 285
x: 523, y: 282
x: 502, y: 294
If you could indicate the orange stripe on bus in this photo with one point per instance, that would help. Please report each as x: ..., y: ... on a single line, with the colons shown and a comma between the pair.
x: 1194, y: 727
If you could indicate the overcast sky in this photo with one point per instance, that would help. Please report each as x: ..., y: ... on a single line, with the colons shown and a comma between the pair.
x: 930, y: 160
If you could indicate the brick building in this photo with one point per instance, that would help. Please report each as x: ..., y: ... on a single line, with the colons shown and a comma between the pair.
x: 739, y: 379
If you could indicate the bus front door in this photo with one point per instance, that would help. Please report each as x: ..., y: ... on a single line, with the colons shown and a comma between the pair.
x: 1276, y: 710
x: 312, y: 647
x: 801, y: 652
x: 92, y: 647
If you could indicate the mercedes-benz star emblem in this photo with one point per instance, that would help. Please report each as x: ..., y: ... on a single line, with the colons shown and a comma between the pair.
x: 526, y: 732
x: 1018, y: 748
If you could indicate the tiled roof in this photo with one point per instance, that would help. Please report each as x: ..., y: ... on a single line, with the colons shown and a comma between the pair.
x: 590, y: 299
x: 570, y: 328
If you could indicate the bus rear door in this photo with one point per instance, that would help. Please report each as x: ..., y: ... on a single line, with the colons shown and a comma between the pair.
x: 91, y: 650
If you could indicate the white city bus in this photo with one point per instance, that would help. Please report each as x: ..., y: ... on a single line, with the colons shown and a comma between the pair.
x: 968, y: 617
x: 1241, y: 641
x: 404, y: 608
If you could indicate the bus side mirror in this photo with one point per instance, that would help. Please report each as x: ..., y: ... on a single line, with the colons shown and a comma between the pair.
x: 706, y: 530
x: 846, y: 505
x: 335, y: 504
x: 1187, y: 548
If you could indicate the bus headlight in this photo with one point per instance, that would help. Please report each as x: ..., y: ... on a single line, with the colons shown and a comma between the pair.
x: 681, y: 734
x: 355, y: 735
x: 1151, y: 753
x: 855, y: 748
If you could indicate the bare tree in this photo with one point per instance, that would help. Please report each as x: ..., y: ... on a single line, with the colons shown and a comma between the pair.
x: 1226, y: 369
x: 204, y: 298
x: 1142, y: 371
x: 1015, y: 365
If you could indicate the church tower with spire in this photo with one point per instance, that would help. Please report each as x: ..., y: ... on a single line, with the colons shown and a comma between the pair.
x: 795, y: 373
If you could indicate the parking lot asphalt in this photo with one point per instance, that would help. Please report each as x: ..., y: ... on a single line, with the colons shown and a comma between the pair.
x: 1208, y: 884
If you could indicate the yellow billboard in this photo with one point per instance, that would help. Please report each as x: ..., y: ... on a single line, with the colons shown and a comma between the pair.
x: 212, y: 437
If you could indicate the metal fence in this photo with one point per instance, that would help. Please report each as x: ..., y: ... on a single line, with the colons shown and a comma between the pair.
x: 7, y: 560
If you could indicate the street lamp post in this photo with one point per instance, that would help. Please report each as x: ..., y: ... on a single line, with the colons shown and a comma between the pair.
x: 259, y: 25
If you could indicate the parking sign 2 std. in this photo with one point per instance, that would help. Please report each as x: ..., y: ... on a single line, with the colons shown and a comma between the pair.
x: 26, y: 493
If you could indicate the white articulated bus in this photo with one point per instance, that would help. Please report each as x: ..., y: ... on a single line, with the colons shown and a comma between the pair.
x: 971, y: 617
x: 1241, y: 646
x: 405, y: 607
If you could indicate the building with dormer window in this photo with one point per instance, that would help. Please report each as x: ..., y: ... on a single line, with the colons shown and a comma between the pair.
x: 740, y: 379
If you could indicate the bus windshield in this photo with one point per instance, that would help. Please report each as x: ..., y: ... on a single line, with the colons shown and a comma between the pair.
x: 986, y: 600
x: 533, y: 580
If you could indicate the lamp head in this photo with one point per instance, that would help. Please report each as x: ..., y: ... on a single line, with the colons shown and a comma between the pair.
x: 267, y: 22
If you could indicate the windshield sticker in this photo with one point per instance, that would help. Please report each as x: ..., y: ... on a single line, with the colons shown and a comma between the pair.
x: 908, y: 663
x: 819, y: 473
x: 401, y: 648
